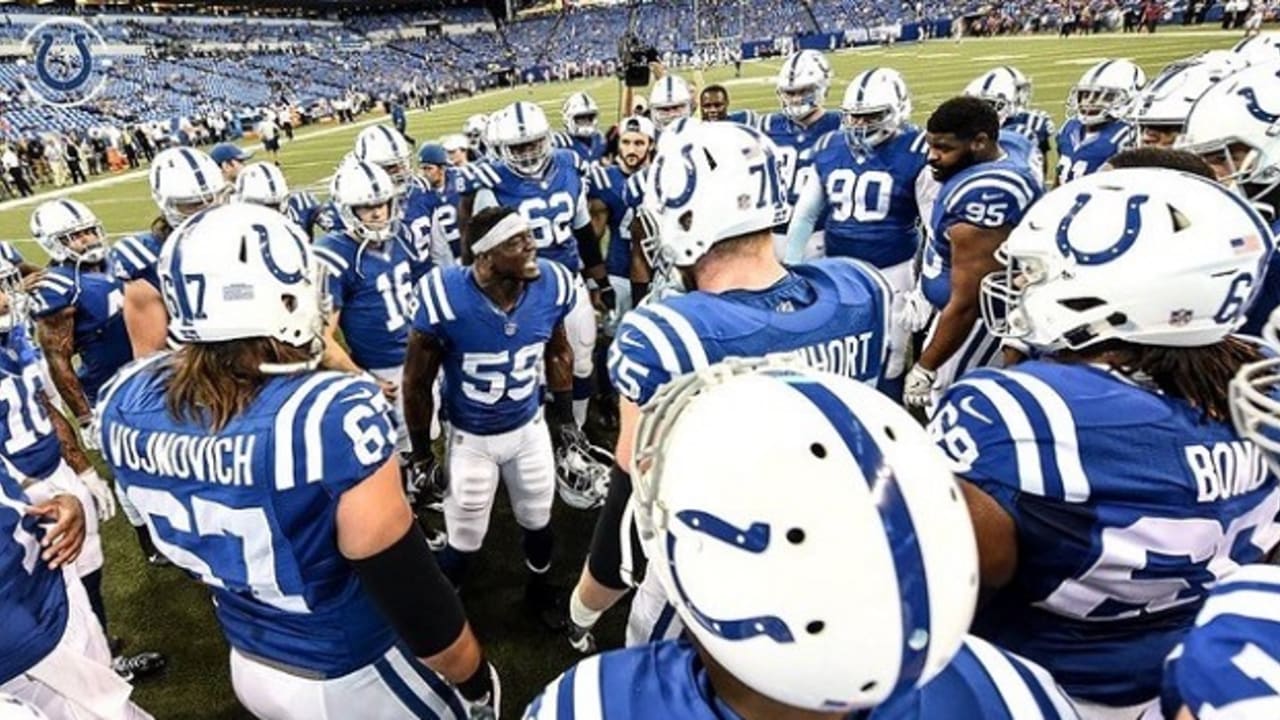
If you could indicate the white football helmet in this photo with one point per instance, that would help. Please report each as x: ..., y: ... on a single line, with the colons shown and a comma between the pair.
x: 17, y: 303
x: 474, y: 128
x: 713, y: 181
x: 580, y: 115
x: 244, y: 271
x: 582, y: 472
x: 56, y: 222
x: 1259, y: 49
x: 802, y: 83
x: 669, y: 101
x: 523, y: 137
x: 876, y: 106
x: 999, y: 88
x: 1105, y: 92
x: 1148, y: 256
x: 185, y: 181
x: 1167, y: 101
x: 1241, y: 111
x: 880, y: 537
x: 262, y: 184
x: 360, y: 184
x: 1023, y: 84
x: 386, y: 147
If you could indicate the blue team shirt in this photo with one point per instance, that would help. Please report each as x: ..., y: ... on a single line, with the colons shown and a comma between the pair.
x: 492, y: 362
x: 33, y: 599
x: 28, y: 444
x: 668, y: 680
x: 328, y: 219
x: 554, y: 204
x: 303, y: 209
x: 1034, y: 125
x: 134, y: 257
x: 10, y: 253
x: 831, y: 314
x: 796, y: 144
x: 373, y: 290
x: 872, y: 213
x: 101, y: 340
x: 1229, y: 664
x: 250, y: 510
x: 438, y: 208
x: 987, y: 195
x: 588, y: 149
x: 1129, y: 505
x: 1267, y: 296
x: 609, y: 184
x: 1083, y: 153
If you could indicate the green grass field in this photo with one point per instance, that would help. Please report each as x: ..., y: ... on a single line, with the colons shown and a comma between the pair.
x: 166, y: 611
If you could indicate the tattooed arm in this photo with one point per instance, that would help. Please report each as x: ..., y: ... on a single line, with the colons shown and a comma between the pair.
x: 57, y: 338
x: 67, y: 437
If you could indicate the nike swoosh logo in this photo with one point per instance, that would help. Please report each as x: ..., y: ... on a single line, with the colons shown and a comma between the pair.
x: 966, y: 406
x: 988, y: 197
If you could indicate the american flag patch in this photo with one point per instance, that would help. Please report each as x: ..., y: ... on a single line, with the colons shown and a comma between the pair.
x: 1249, y: 243
x: 238, y: 291
x: 1178, y: 318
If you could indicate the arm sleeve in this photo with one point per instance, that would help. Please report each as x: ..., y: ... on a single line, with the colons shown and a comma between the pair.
x: 804, y: 219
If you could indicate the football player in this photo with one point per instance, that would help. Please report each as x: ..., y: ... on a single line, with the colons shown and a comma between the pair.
x: 1096, y: 127
x: 456, y: 146
x: 48, y: 629
x: 984, y: 194
x: 476, y: 131
x: 546, y: 186
x: 1160, y: 111
x: 669, y: 101
x: 489, y: 324
x: 370, y: 281
x: 713, y: 104
x: 183, y: 182
x: 877, y: 541
x: 1230, y: 128
x: 581, y: 128
x: 1108, y: 488
x: 719, y: 192
x: 608, y: 184
x: 263, y: 184
x: 276, y: 485
x: 1032, y: 123
x: 802, y: 84
x: 442, y: 186
x: 1002, y: 87
x: 387, y: 148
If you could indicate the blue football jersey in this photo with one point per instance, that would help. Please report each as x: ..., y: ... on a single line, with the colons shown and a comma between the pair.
x: 747, y: 117
x: 134, y: 257
x: 1229, y: 664
x: 493, y: 359
x: 373, y: 291
x: 1081, y: 152
x: 1129, y: 505
x: 668, y: 680
x: 987, y: 195
x: 796, y: 146
x: 33, y: 599
x: 328, y: 219
x: 101, y: 340
x: 250, y: 510
x: 554, y: 205
x: 1034, y: 125
x: 608, y: 184
x: 832, y: 315
x: 303, y: 209
x: 415, y: 227
x: 588, y: 149
x: 872, y: 212
x: 1266, y: 298
x: 28, y: 444
x: 439, y: 213
x: 10, y: 253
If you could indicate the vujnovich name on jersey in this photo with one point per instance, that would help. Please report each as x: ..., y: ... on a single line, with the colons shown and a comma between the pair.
x: 1226, y: 470
x: 221, y: 460
x: 849, y: 356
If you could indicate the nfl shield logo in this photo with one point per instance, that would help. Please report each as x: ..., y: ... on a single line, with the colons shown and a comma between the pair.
x: 1178, y: 318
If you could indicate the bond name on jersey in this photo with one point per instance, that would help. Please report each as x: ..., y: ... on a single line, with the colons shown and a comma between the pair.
x: 250, y: 510
x: 493, y: 360
x: 831, y: 315
x: 1125, y: 519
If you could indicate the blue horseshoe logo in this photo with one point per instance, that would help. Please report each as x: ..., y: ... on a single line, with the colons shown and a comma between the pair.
x: 691, y: 180
x: 1255, y: 108
x: 81, y: 41
x: 1132, y: 226
x: 264, y: 243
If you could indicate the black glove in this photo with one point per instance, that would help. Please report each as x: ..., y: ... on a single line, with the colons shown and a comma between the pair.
x: 608, y: 297
x: 560, y: 418
x: 426, y: 478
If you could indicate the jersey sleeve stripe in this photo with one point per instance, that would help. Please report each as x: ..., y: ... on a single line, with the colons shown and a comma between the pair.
x: 1026, y: 450
x: 126, y: 255
x: 56, y: 283
x: 685, y: 332
x: 566, y: 293
x: 658, y: 340
x: 286, y: 468
x: 1260, y: 575
x: 10, y: 253
x: 1062, y: 426
x: 1015, y: 694
x: 424, y: 297
x: 335, y: 262
x: 1045, y: 688
x: 1247, y: 603
x: 442, y: 299
x: 1020, y: 195
x: 312, y: 440
x: 586, y: 689
x: 564, y: 698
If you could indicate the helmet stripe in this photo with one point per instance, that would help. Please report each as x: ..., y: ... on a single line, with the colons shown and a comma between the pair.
x: 71, y: 209
x: 373, y: 179
x: 195, y: 168
x: 520, y: 118
x: 271, y: 180
x: 986, y: 84
x: 862, y: 86
x: 1097, y: 72
x: 908, y: 562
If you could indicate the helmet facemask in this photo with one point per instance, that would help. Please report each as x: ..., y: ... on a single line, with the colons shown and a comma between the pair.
x: 529, y: 156
x: 868, y: 128
x: 800, y: 102
x: 584, y: 124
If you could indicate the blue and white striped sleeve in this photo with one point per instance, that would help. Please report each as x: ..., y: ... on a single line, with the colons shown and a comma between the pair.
x: 999, y: 685
x: 51, y: 294
x: 576, y: 691
x: 133, y: 256
x: 10, y: 253
x: 654, y: 344
x: 434, y: 309
x: 992, y: 199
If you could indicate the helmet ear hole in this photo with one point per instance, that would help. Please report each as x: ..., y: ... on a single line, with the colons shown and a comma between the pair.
x: 289, y: 301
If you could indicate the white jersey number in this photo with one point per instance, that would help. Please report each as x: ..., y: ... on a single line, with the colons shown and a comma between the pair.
x: 493, y: 375
x: 865, y: 197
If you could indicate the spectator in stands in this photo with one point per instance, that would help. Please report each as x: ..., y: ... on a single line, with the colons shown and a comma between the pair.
x: 230, y: 159
x: 13, y: 167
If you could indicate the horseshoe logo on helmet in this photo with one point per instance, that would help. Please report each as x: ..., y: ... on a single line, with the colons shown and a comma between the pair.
x: 1132, y: 227
x: 690, y: 180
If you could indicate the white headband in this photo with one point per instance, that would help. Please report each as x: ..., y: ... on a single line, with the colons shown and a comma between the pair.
x: 507, y: 228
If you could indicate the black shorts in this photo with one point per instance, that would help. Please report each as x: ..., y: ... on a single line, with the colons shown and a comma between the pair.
x: 272, y: 145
